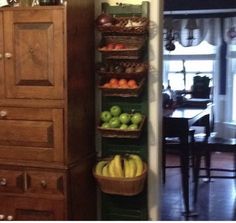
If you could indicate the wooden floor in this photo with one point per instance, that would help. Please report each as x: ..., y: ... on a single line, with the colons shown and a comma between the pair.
x: 216, y: 200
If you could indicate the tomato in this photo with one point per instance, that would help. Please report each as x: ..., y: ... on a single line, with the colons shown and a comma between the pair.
x: 119, y: 46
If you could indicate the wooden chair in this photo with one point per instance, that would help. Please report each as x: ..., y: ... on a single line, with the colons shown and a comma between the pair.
x: 207, y: 146
x: 172, y: 144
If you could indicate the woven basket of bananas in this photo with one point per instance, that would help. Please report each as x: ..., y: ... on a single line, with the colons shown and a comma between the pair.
x: 121, y: 175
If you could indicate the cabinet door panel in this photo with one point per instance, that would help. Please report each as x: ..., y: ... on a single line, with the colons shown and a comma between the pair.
x: 1, y: 58
x: 34, y: 43
x: 20, y: 208
x: 31, y: 134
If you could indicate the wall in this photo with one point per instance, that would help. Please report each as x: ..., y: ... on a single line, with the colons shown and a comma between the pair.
x: 155, y: 116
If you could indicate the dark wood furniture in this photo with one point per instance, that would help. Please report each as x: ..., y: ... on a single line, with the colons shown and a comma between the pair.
x: 47, y: 112
x: 177, y: 123
x: 207, y: 146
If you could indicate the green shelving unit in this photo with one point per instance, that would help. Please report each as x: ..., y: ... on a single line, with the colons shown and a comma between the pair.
x: 116, y: 207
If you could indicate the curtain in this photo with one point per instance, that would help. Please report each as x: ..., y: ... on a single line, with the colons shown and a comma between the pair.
x: 191, y: 32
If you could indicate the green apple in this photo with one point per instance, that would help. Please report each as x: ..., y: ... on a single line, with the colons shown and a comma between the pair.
x: 133, y: 127
x: 105, y: 116
x: 115, y: 110
x: 124, y: 126
x: 106, y: 125
x: 114, y: 122
x: 124, y: 118
x: 136, y: 118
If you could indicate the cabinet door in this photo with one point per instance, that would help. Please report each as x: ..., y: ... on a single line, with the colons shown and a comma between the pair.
x: 34, y: 49
x: 31, y: 134
x: 1, y: 57
x: 20, y: 208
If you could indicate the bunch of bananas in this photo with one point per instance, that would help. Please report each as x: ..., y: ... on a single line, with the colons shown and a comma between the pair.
x: 127, y: 166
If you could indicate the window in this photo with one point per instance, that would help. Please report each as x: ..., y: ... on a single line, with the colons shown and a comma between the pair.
x: 197, y: 60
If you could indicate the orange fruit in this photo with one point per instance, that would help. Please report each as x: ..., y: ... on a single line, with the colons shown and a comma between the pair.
x: 122, y: 82
x: 134, y: 86
x: 107, y: 85
x: 132, y: 83
x: 124, y: 85
x: 113, y: 81
x: 114, y: 85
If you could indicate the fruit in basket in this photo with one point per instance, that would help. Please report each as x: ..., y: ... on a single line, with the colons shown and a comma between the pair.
x: 133, y: 127
x: 117, y: 165
x: 118, y: 69
x: 106, y: 125
x: 105, y: 171
x: 99, y: 167
x: 132, y: 83
x: 111, y: 168
x: 129, y: 70
x: 114, y: 122
x: 139, y: 164
x: 139, y: 68
x: 115, y: 110
x: 105, y: 116
x: 119, y: 46
x: 126, y: 166
x: 113, y: 81
x: 124, y: 118
x: 110, y: 46
x: 136, y: 118
x: 124, y: 126
x: 105, y: 20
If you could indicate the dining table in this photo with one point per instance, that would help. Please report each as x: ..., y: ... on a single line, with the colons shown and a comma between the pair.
x: 177, y: 123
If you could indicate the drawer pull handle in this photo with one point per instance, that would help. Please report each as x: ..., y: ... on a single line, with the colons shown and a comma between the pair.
x: 9, y: 218
x: 3, y: 182
x: 2, y: 216
x: 8, y: 55
x: 1, y: 56
x: 3, y: 113
x: 43, y: 183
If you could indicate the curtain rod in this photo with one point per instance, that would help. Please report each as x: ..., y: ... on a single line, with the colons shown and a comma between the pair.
x: 211, y: 13
x: 201, y: 11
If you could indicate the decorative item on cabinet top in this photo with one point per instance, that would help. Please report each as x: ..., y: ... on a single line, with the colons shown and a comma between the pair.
x: 121, y: 174
x: 122, y: 47
x: 50, y: 2
x: 122, y: 25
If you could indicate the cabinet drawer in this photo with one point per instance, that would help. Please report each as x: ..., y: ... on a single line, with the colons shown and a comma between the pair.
x: 11, y: 181
x: 45, y: 182
x: 31, y: 134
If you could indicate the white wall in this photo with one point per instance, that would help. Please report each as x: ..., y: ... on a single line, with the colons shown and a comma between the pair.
x: 155, y: 116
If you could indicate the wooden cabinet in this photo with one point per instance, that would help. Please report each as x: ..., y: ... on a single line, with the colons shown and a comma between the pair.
x: 18, y: 208
x: 47, y: 146
x: 33, y: 52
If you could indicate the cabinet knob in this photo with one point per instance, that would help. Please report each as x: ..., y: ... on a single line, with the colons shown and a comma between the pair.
x: 3, y: 182
x: 2, y: 216
x: 9, y: 217
x: 43, y: 183
x: 8, y: 55
x: 3, y: 113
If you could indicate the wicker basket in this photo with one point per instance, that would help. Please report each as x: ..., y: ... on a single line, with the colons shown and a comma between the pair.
x: 122, y: 92
x: 121, y: 28
x: 135, y: 46
x: 104, y: 70
x: 120, y: 133
x: 122, y: 186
